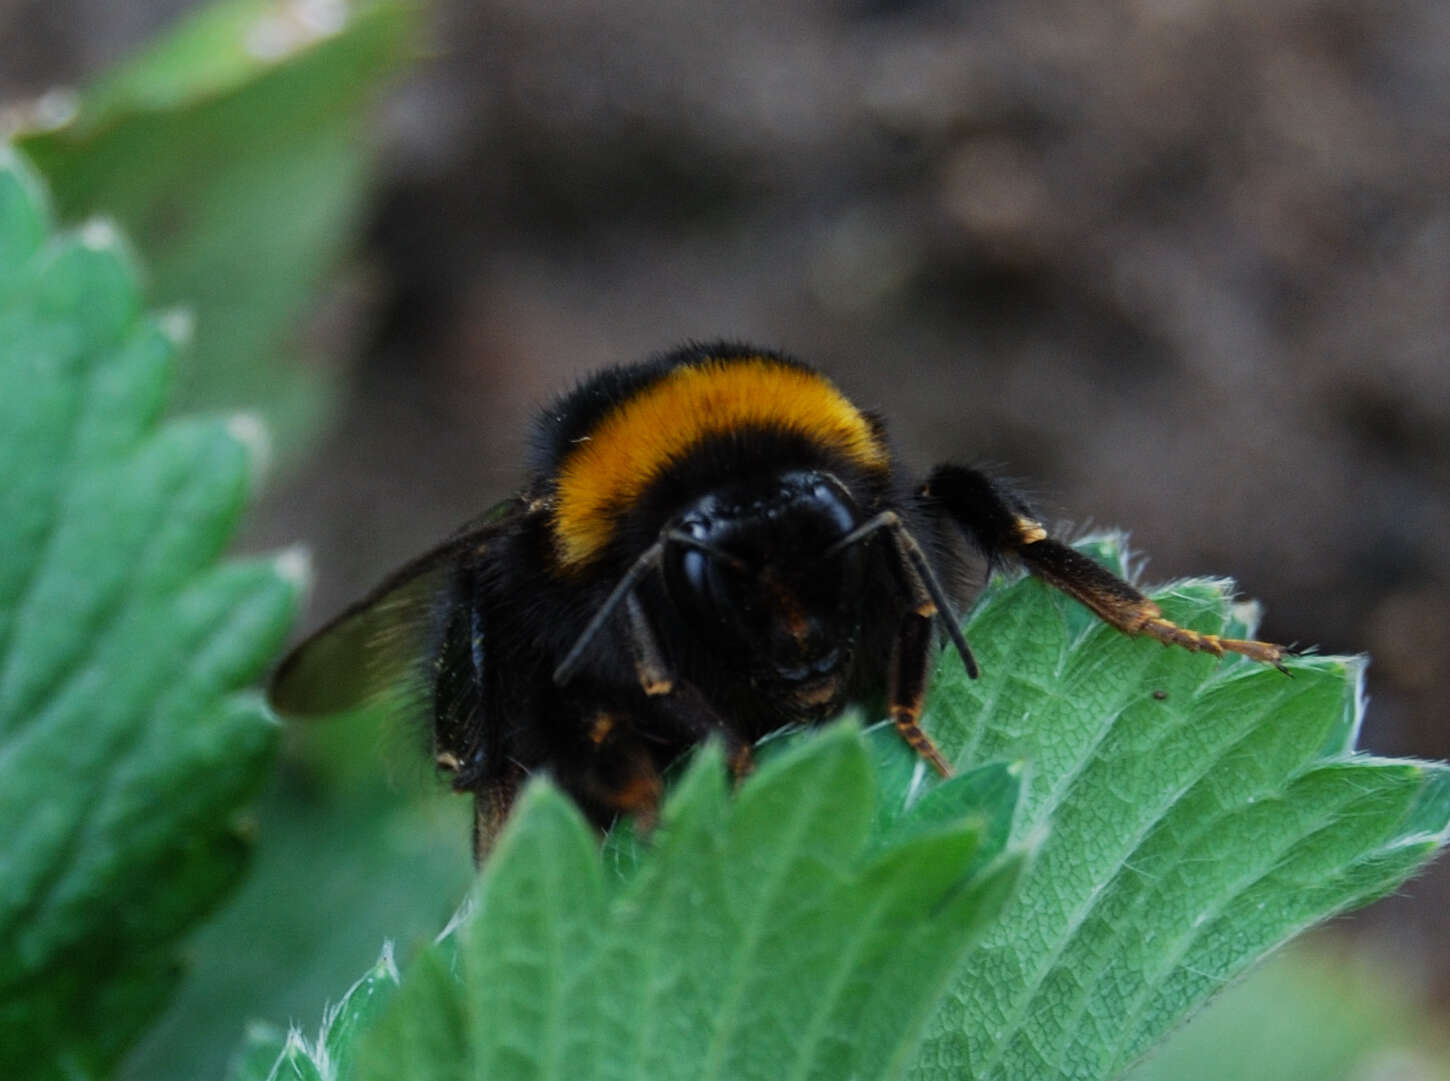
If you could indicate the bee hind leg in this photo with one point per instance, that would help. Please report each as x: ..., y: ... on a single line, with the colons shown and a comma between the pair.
x: 1001, y: 525
x: 1120, y: 605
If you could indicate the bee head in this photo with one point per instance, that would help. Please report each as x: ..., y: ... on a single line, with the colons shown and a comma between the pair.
x: 758, y: 571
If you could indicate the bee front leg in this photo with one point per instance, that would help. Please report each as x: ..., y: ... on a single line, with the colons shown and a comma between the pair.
x: 681, y: 706
x: 906, y: 688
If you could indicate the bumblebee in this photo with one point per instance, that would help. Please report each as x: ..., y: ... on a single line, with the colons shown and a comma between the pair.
x: 716, y: 542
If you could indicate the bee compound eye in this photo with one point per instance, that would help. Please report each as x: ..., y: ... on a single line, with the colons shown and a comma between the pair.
x: 707, y: 588
x: 695, y: 573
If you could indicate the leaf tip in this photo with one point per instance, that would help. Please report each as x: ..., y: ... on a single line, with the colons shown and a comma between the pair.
x: 296, y: 1043
x: 1111, y: 548
x: 178, y: 324
x: 294, y: 566
x: 249, y: 430
x: 461, y: 915
x: 101, y: 235
x: 1431, y: 814
x: 387, y: 965
x: 52, y: 110
x: 1245, y: 616
x: 1355, y: 668
x: 384, y: 969
x: 276, y: 36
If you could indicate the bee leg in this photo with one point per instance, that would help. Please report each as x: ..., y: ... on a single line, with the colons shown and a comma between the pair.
x: 906, y: 691
x: 491, y: 804
x: 739, y: 757
x: 911, y: 648
x: 1001, y: 524
x: 623, y: 778
x: 681, y: 705
x: 1121, y: 606
x: 687, y: 712
x: 654, y: 673
x: 638, y: 789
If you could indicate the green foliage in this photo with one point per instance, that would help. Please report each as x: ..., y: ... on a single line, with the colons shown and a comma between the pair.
x: 125, y: 746
x: 799, y: 929
x: 1188, y: 815
x: 1318, y: 1014
x: 764, y: 936
x: 232, y: 152
x: 236, y: 152
x: 338, y: 869
x: 267, y: 1053
x: 1196, y: 813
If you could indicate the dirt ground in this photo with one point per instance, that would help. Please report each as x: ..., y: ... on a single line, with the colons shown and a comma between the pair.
x: 1183, y: 266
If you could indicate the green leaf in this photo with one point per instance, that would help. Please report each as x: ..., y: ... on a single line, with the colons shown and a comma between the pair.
x: 125, y: 745
x: 385, y: 861
x: 266, y: 1052
x: 233, y: 152
x: 1187, y: 815
x: 394, y: 858
x: 1195, y: 813
x: 763, y: 936
x: 1319, y: 1014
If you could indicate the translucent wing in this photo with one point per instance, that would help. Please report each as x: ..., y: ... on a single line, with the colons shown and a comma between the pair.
x: 379, y: 645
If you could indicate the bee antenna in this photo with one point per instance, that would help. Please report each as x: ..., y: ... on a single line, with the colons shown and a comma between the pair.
x: 922, y: 581
x: 648, y: 560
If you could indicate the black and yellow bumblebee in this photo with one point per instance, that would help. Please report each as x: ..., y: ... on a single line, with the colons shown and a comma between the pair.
x: 716, y: 542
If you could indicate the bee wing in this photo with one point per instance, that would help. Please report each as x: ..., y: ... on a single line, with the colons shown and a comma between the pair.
x: 377, y: 645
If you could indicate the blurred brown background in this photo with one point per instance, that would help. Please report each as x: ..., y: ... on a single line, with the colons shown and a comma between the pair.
x: 1182, y: 265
